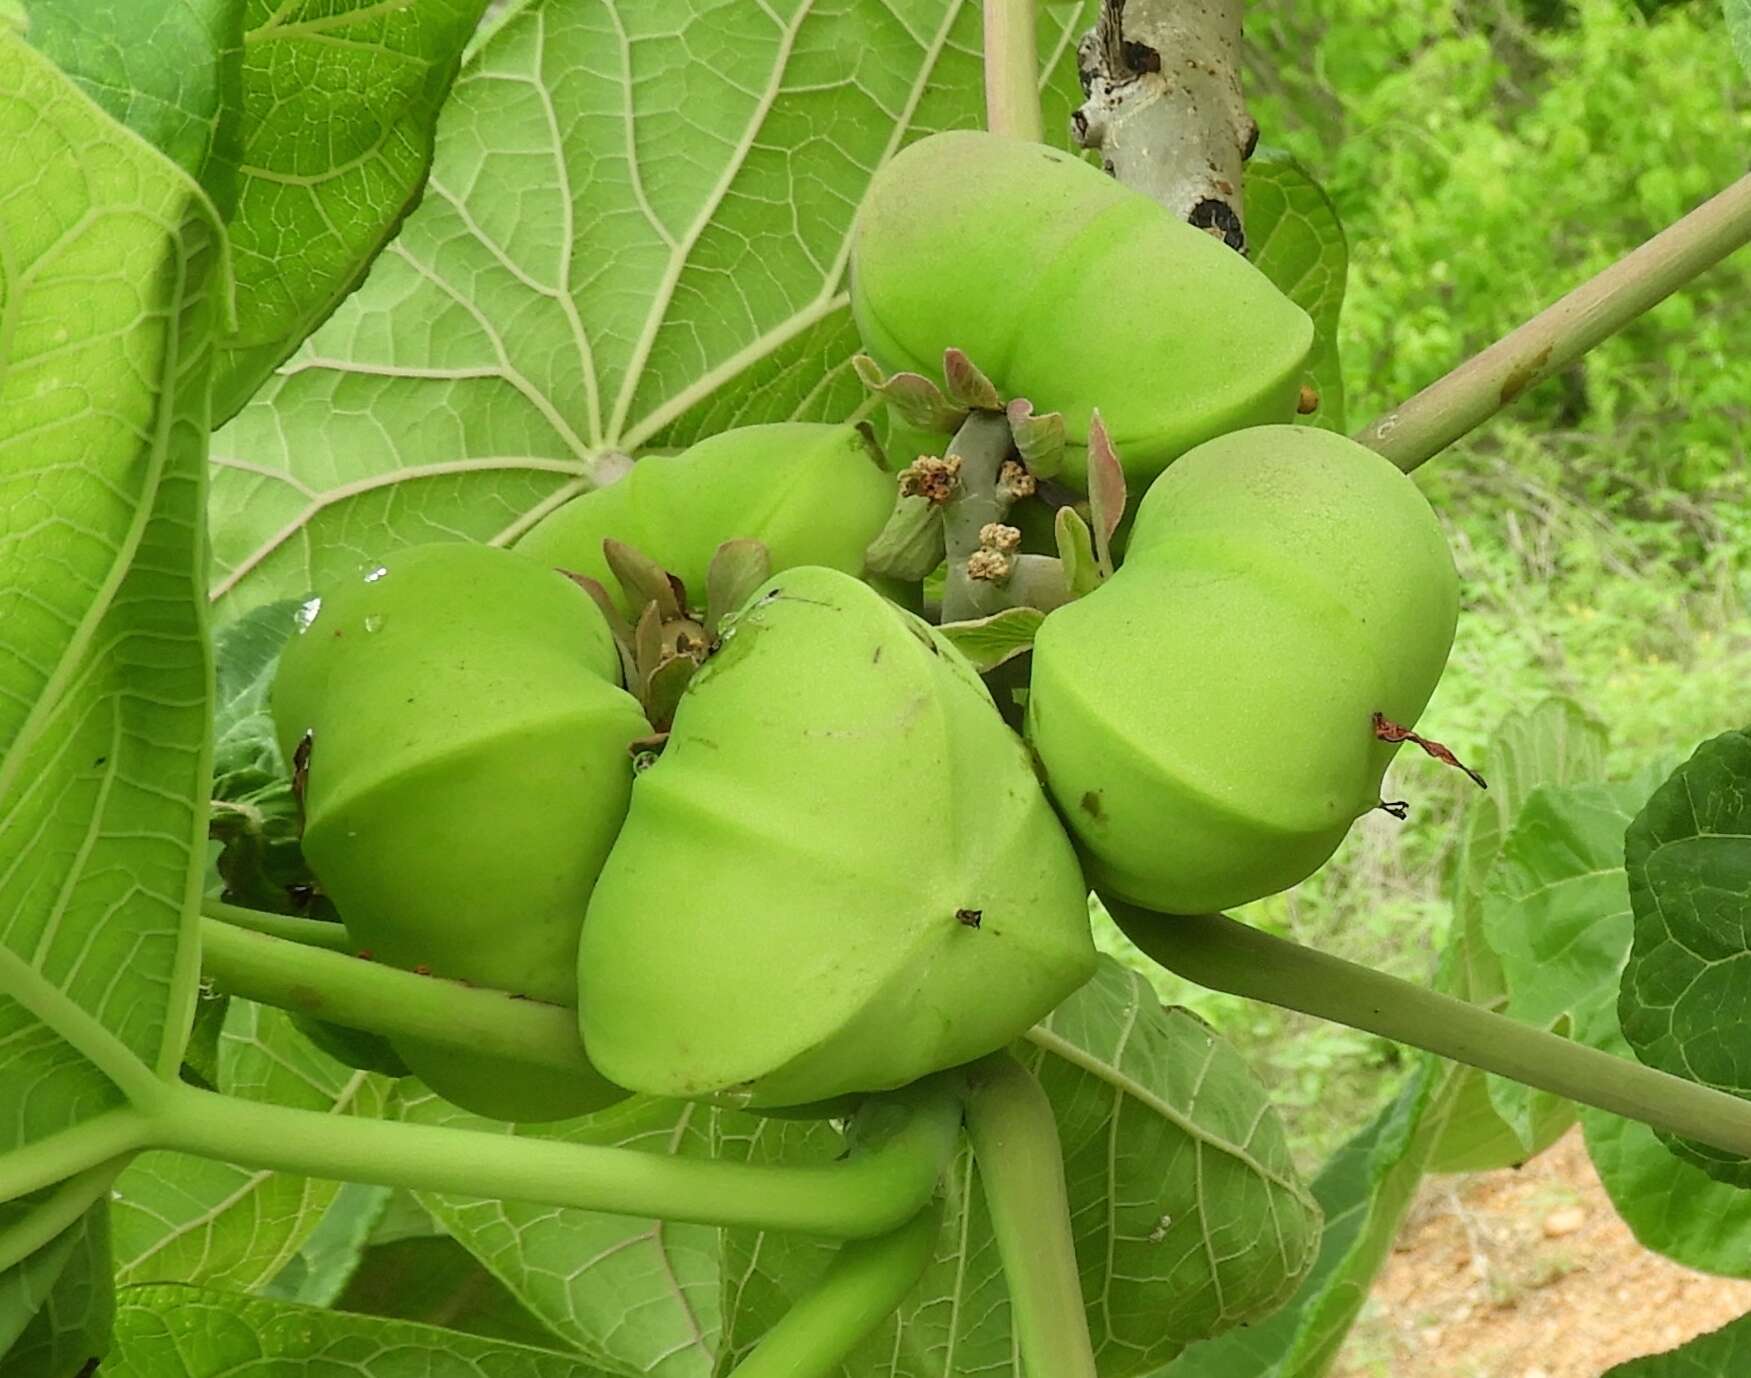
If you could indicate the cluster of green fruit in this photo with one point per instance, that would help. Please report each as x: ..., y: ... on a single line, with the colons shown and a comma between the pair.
x: 764, y: 825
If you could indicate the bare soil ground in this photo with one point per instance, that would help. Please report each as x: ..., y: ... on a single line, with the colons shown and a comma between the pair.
x: 1527, y: 1274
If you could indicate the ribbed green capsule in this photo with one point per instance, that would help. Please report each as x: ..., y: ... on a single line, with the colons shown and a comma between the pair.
x: 811, y: 494
x: 1205, y: 718
x: 1073, y: 291
x: 841, y: 874
x: 468, y: 770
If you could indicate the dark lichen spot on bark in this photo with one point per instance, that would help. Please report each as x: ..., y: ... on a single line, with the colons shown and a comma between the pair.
x: 1140, y: 57
x: 1091, y: 804
x: 1219, y: 219
x: 1524, y: 375
x: 1250, y: 139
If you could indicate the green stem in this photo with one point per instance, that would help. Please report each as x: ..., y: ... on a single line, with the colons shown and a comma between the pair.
x: 1015, y: 1143
x: 86, y: 1146
x: 386, y: 1000
x: 863, y: 1285
x: 983, y: 443
x: 1216, y: 951
x: 1012, y: 65
x: 310, y: 932
x: 885, y: 1182
x: 45, y: 1220
x: 1445, y: 410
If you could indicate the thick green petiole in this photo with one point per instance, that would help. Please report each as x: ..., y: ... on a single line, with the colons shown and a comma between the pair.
x: 310, y: 932
x: 1021, y: 1165
x: 385, y: 1000
x: 888, y: 1178
x: 1012, y: 66
x: 860, y: 1289
x: 1216, y: 951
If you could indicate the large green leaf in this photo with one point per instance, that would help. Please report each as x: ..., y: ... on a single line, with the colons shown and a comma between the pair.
x: 1188, y: 1216
x: 1739, y: 26
x: 1554, y: 744
x: 105, y: 247
x: 1723, y: 1353
x: 190, y: 1332
x: 1688, y: 984
x: 180, y: 1218
x: 339, y: 101
x: 56, y: 1335
x: 1364, y: 1190
x: 636, y: 1295
x: 1296, y: 240
x: 133, y: 57
x: 635, y: 233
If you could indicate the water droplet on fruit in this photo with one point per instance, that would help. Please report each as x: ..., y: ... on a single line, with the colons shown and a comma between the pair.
x: 374, y: 575
x: 374, y: 622
x: 306, y: 614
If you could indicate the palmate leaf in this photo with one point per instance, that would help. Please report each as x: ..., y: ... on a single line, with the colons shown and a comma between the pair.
x: 1188, y: 1216
x: 106, y: 247
x: 1686, y: 987
x: 1296, y: 240
x: 57, y: 1334
x: 191, y: 1332
x: 635, y: 234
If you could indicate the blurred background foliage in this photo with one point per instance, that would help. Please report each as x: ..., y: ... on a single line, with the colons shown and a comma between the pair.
x: 1485, y: 156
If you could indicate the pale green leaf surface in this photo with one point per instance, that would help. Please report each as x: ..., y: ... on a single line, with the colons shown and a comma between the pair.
x: 635, y: 234
x: 1687, y: 984
x: 135, y: 59
x: 1295, y: 239
x: 103, y: 660
x: 991, y: 641
x: 1670, y: 1205
x: 325, y: 1265
x: 339, y: 101
x: 632, y: 1294
x: 1739, y: 26
x: 1187, y: 1215
x: 190, y: 1332
x: 1364, y: 1190
x: 180, y: 1218
x: 1556, y: 743
x: 434, y: 1280
x: 53, y: 1335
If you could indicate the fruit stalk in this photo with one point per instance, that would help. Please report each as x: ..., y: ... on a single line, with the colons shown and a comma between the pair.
x: 860, y: 1289
x: 983, y: 443
x: 291, y: 928
x: 1021, y: 1166
x: 882, y: 1185
x: 1447, y: 409
x: 1012, y: 64
x: 1216, y: 951
x: 386, y: 1000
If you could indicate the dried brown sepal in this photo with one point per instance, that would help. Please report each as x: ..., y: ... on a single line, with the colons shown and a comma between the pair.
x: 1389, y: 731
x: 1014, y: 482
x: 1308, y: 401
x: 644, y: 580
x: 737, y: 569
x: 915, y: 399
x: 968, y: 387
x: 1106, y: 491
x: 932, y: 478
x: 996, y: 536
x: 301, y: 772
x: 1039, y: 438
x: 989, y: 566
x: 663, y: 689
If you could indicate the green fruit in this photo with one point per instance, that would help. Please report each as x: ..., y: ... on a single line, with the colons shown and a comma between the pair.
x: 467, y: 773
x: 841, y: 875
x: 1073, y: 291
x: 812, y: 494
x: 1204, y: 719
